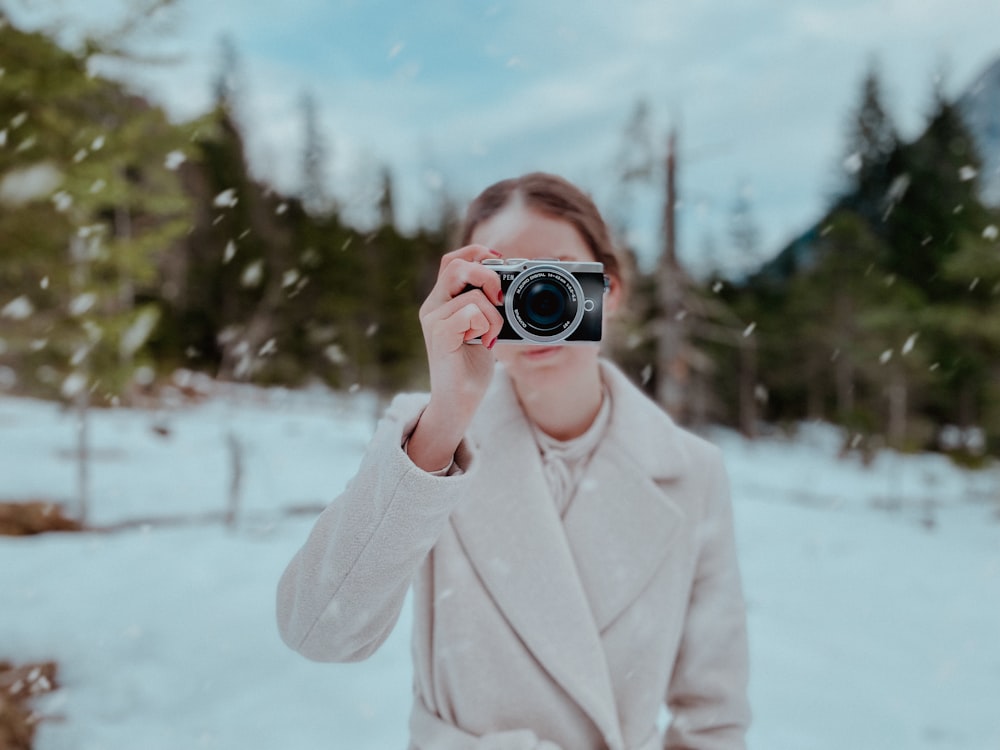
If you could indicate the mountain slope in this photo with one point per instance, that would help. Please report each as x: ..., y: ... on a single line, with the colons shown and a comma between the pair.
x: 980, y: 106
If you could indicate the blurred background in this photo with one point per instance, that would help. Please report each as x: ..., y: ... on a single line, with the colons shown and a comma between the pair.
x: 808, y: 197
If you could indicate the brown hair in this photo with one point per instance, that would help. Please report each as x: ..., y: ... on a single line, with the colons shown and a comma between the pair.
x: 556, y: 197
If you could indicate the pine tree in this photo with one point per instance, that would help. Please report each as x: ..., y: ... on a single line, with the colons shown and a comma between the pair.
x: 872, y: 141
x: 314, y: 154
x: 85, y: 247
x: 935, y: 201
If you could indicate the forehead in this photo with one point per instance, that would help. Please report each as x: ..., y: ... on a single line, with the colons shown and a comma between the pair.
x: 518, y: 231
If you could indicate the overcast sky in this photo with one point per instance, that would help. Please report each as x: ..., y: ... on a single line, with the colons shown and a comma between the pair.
x: 454, y: 95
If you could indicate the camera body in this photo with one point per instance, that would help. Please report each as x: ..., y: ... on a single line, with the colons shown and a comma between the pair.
x: 550, y: 301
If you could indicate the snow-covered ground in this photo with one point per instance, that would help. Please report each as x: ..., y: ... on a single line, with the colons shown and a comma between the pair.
x: 873, y: 593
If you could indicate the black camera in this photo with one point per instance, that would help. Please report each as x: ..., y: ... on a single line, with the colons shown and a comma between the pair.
x: 550, y: 301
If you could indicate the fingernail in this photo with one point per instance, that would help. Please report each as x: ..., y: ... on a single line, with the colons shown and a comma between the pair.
x: 500, y: 298
x: 492, y: 343
x: 494, y: 252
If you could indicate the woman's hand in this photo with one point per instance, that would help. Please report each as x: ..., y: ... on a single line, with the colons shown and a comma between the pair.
x: 452, y: 315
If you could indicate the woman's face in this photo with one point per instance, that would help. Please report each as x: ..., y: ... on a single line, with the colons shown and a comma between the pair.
x: 518, y: 231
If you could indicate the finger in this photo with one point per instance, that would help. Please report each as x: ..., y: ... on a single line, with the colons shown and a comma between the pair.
x: 471, y: 253
x: 458, y: 276
x: 463, y: 325
x: 487, y: 321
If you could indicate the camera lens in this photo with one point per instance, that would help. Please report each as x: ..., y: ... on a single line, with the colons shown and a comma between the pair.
x: 543, y: 305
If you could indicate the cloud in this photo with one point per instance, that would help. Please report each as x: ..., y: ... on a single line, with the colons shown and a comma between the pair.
x: 761, y: 90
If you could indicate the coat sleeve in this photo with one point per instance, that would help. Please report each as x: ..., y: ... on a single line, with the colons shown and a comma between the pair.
x: 342, y: 592
x: 707, y: 695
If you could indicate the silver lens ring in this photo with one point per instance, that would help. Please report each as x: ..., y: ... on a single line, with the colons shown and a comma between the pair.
x: 530, y: 276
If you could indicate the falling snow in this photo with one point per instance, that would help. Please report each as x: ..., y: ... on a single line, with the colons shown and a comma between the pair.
x: 335, y: 353
x: 253, y: 274
x: 73, y: 384
x: 137, y: 333
x: 20, y: 186
x: 991, y: 232
x: 82, y: 303
x: 853, y: 163
x: 226, y: 199
x: 967, y: 173
x: 62, y: 201
x: 18, y: 308
x: 910, y: 342
x: 174, y: 160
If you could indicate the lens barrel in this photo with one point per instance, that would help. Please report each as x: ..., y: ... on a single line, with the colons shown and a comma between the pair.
x: 544, y: 304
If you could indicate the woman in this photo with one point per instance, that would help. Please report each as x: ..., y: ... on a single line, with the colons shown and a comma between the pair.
x: 570, y: 549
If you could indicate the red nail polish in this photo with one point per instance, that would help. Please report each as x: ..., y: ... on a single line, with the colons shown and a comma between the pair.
x: 500, y: 298
x: 492, y: 343
x: 495, y: 252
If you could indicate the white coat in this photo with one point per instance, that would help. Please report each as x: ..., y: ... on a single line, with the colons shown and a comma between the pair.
x: 531, y: 631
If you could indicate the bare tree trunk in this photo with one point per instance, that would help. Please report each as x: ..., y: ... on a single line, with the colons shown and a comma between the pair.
x: 671, y: 368
x: 235, y: 478
x: 82, y: 405
x: 748, y: 386
x: 896, y: 431
x: 79, y: 258
x: 843, y: 373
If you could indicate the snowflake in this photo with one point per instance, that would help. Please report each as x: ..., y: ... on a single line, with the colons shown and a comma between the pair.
x: 82, y: 303
x: 62, y: 201
x: 289, y: 277
x: 226, y: 199
x: 253, y: 274
x: 73, y: 384
x: 174, y: 159
x: 853, y: 163
x: 18, y: 308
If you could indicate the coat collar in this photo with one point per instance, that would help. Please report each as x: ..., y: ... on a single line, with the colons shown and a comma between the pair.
x: 581, y: 572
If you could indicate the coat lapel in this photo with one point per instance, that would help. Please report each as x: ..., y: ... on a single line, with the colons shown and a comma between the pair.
x: 621, y: 522
x: 514, y: 521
